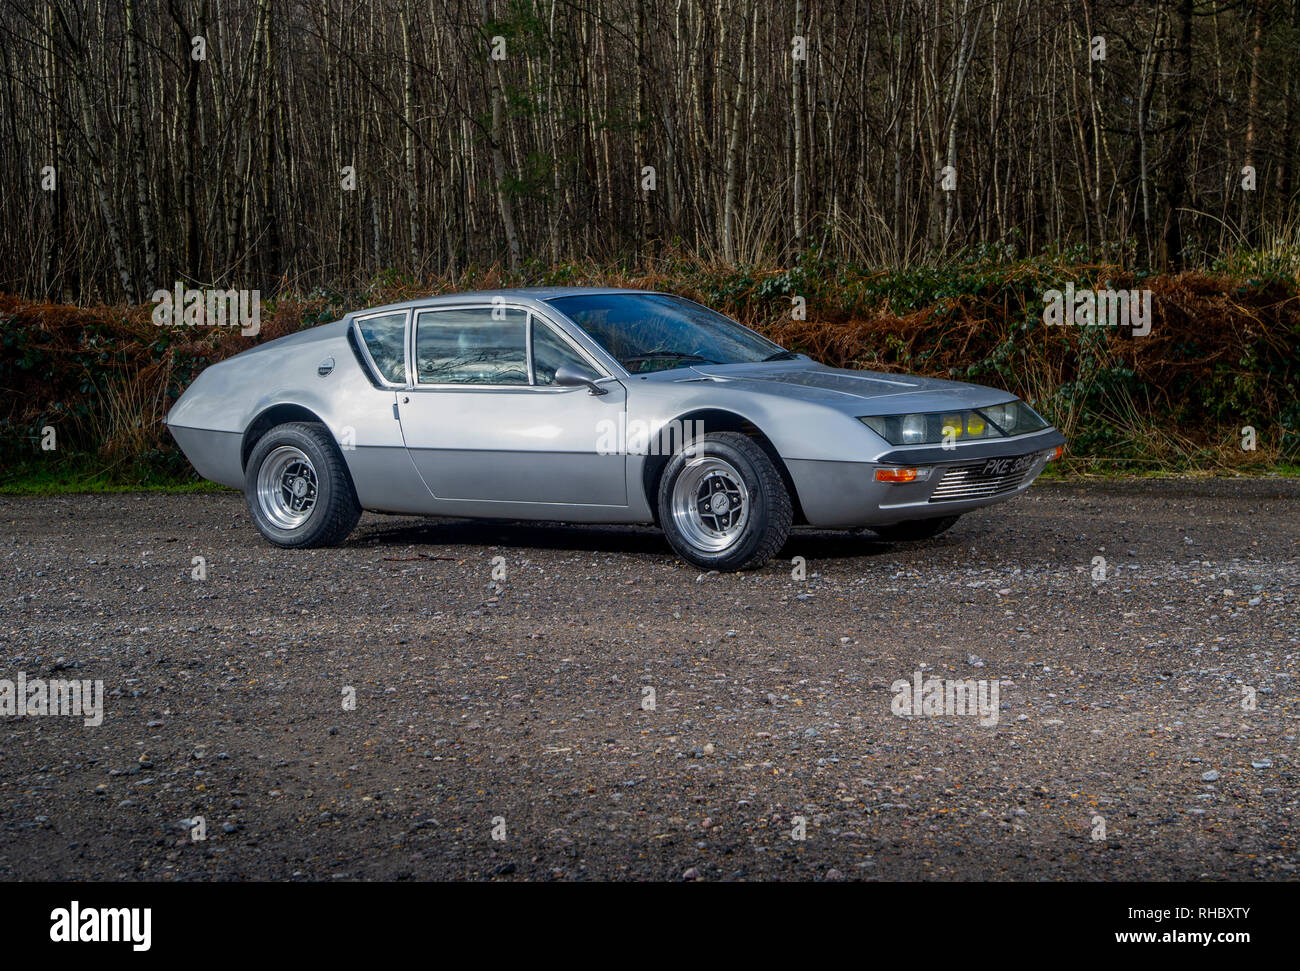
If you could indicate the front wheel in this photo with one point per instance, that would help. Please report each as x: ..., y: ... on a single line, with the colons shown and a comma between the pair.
x: 297, y: 487
x: 723, y: 504
x: 914, y: 528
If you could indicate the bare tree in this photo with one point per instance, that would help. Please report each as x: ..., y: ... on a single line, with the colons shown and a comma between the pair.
x: 225, y: 169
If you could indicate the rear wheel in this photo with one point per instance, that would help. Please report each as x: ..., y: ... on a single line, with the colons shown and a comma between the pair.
x: 297, y: 487
x: 723, y: 504
x: 914, y: 528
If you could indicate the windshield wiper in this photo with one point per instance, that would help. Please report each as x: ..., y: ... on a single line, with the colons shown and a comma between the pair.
x: 667, y: 355
x: 781, y: 356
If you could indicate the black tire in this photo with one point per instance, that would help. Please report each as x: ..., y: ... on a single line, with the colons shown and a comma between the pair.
x: 914, y: 529
x: 333, y: 509
x: 760, y: 531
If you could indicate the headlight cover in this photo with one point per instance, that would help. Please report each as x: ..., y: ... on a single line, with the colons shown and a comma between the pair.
x: 997, y: 421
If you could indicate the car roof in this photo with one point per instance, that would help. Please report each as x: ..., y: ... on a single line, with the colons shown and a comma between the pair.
x: 527, y: 295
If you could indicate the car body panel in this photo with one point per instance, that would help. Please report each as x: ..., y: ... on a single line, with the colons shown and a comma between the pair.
x: 846, y: 494
x: 480, y: 448
x: 211, y: 419
x: 530, y: 452
x: 523, y: 444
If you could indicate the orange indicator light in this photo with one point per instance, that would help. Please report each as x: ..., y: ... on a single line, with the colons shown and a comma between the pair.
x: 895, y: 475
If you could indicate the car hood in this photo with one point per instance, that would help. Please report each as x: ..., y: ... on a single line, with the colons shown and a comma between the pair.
x: 856, y: 392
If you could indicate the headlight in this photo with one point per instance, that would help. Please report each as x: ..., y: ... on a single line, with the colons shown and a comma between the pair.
x: 1020, y: 419
x: 1000, y: 415
x: 913, y: 429
x: 998, y: 421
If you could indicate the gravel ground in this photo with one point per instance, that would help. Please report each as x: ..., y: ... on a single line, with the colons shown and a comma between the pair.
x: 517, y: 706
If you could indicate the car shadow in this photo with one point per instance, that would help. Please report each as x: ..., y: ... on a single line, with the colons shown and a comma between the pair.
x: 638, y: 540
x: 511, y: 534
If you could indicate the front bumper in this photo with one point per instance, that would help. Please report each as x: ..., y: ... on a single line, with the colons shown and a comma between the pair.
x: 968, y: 476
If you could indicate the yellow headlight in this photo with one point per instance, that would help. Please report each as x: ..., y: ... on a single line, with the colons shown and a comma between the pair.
x: 952, y: 426
x: 974, y: 424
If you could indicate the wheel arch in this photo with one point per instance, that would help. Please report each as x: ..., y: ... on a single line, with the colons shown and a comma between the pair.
x: 718, y: 420
x: 268, y: 418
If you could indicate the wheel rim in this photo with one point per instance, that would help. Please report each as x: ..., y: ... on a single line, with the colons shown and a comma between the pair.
x: 710, y: 504
x: 287, y: 487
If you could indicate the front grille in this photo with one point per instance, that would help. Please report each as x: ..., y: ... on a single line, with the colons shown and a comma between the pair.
x: 970, y: 482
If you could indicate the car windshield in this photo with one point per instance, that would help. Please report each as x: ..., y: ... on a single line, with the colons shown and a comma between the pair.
x: 658, y: 331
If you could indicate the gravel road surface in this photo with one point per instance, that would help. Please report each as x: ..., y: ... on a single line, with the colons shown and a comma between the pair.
x: 451, y: 700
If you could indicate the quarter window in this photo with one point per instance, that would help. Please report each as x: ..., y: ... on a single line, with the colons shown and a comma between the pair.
x: 550, y: 351
x: 471, y: 347
x: 385, y: 338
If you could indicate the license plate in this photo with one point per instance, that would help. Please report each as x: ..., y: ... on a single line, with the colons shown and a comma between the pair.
x: 1009, y: 466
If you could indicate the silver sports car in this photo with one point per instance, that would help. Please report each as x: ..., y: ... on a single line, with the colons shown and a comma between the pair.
x: 593, y: 405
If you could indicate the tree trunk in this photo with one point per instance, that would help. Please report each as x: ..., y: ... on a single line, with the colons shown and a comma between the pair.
x: 1176, y: 182
x: 733, y: 149
x: 797, y: 124
x: 144, y: 223
x: 408, y: 152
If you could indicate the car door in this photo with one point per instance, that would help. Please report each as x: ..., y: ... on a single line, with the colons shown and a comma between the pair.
x: 484, y: 422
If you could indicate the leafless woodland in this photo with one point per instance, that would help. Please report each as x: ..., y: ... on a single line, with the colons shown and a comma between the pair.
x: 274, y: 144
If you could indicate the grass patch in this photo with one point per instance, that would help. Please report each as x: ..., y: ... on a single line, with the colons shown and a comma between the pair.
x: 84, y: 475
x: 1067, y: 471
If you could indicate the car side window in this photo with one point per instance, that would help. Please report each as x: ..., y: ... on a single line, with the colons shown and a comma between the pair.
x: 385, y: 338
x: 471, y: 346
x: 550, y: 351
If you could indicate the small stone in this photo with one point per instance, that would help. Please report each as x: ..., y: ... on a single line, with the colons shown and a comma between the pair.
x: 1211, y: 776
